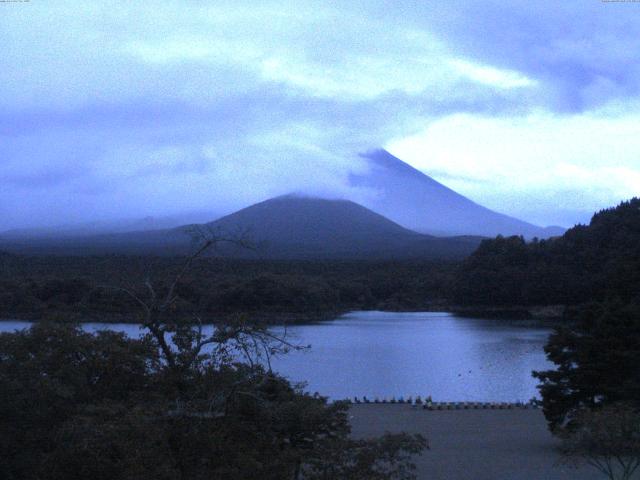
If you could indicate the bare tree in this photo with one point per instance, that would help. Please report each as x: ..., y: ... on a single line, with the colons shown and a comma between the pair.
x: 607, y: 439
x: 183, y: 340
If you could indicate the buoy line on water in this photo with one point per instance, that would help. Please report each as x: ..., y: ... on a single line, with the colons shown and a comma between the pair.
x: 429, y: 404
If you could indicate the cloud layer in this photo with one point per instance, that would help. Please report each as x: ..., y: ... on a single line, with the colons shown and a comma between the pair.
x: 161, y: 107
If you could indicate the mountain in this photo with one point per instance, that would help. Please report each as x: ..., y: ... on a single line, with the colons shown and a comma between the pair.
x: 418, y: 202
x: 304, y: 227
x: 400, y: 192
x: 288, y: 227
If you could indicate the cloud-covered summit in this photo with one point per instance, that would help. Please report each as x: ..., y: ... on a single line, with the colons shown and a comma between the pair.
x: 157, y: 108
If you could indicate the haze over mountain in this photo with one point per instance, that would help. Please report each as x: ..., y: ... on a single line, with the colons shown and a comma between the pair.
x: 394, y: 189
x: 287, y: 227
x: 418, y: 202
x: 108, y: 227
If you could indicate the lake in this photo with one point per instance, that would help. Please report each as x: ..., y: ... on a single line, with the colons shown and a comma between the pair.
x: 385, y: 354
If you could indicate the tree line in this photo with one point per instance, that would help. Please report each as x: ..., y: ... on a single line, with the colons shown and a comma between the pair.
x: 38, y: 288
x: 588, y: 263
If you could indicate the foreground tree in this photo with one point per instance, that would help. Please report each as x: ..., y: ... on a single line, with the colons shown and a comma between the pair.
x: 182, y: 402
x: 608, y: 439
x: 592, y: 399
x: 597, y: 360
x: 75, y: 405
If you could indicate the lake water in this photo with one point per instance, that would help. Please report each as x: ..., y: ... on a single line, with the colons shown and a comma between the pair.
x: 385, y: 354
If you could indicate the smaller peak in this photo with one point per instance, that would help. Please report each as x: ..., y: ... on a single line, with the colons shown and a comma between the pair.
x: 307, y: 197
x: 288, y: 196
x: 292, y: 197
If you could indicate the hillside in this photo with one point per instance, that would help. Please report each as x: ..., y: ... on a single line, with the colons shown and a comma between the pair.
x: 304, y: 227
x: 94, y: 228
x: 416, y: 201
x: 588, y: 263
x: 285, y: 227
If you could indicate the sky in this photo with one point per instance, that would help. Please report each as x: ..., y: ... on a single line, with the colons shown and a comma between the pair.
x: 114, y: 110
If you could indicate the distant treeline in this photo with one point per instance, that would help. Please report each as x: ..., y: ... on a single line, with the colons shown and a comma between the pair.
x: 92, y: 287
x: 596, y: 262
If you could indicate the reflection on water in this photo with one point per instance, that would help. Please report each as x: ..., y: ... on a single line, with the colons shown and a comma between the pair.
x: 388, y: 354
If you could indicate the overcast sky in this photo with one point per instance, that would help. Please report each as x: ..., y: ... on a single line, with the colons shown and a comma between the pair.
x: 128, y: 109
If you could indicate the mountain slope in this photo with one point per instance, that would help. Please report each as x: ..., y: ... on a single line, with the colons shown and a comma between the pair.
x: 286, y: 227
x: 107, y: 227
x: 303, y: 227
x: 416, y: 201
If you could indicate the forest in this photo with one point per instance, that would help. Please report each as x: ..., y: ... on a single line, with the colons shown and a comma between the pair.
x: 591, y: 262
x: 80, y: 288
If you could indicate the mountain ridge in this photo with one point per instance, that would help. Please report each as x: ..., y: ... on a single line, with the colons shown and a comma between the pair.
x: 286, y: 227
x: 413, y: 199
x: 298, y: 226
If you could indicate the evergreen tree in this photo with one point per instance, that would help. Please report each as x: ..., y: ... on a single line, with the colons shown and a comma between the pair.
x: 598, y: 362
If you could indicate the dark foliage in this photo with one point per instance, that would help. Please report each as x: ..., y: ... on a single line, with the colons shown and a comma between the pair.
x: 594, y: 262
x: 72, y: 287
x: 598, y: 362
x: 75, y: 405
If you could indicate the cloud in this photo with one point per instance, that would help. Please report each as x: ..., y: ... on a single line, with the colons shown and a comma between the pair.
x: 157, y: 107
x: 495, y: 77
x: 578, y: 51
x: 540, y: 162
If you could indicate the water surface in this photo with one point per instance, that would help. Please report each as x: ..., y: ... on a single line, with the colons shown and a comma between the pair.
x: 385, y: 354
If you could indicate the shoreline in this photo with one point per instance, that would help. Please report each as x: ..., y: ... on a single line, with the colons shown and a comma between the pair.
x: 269, y: 318
x: 543, y: 316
